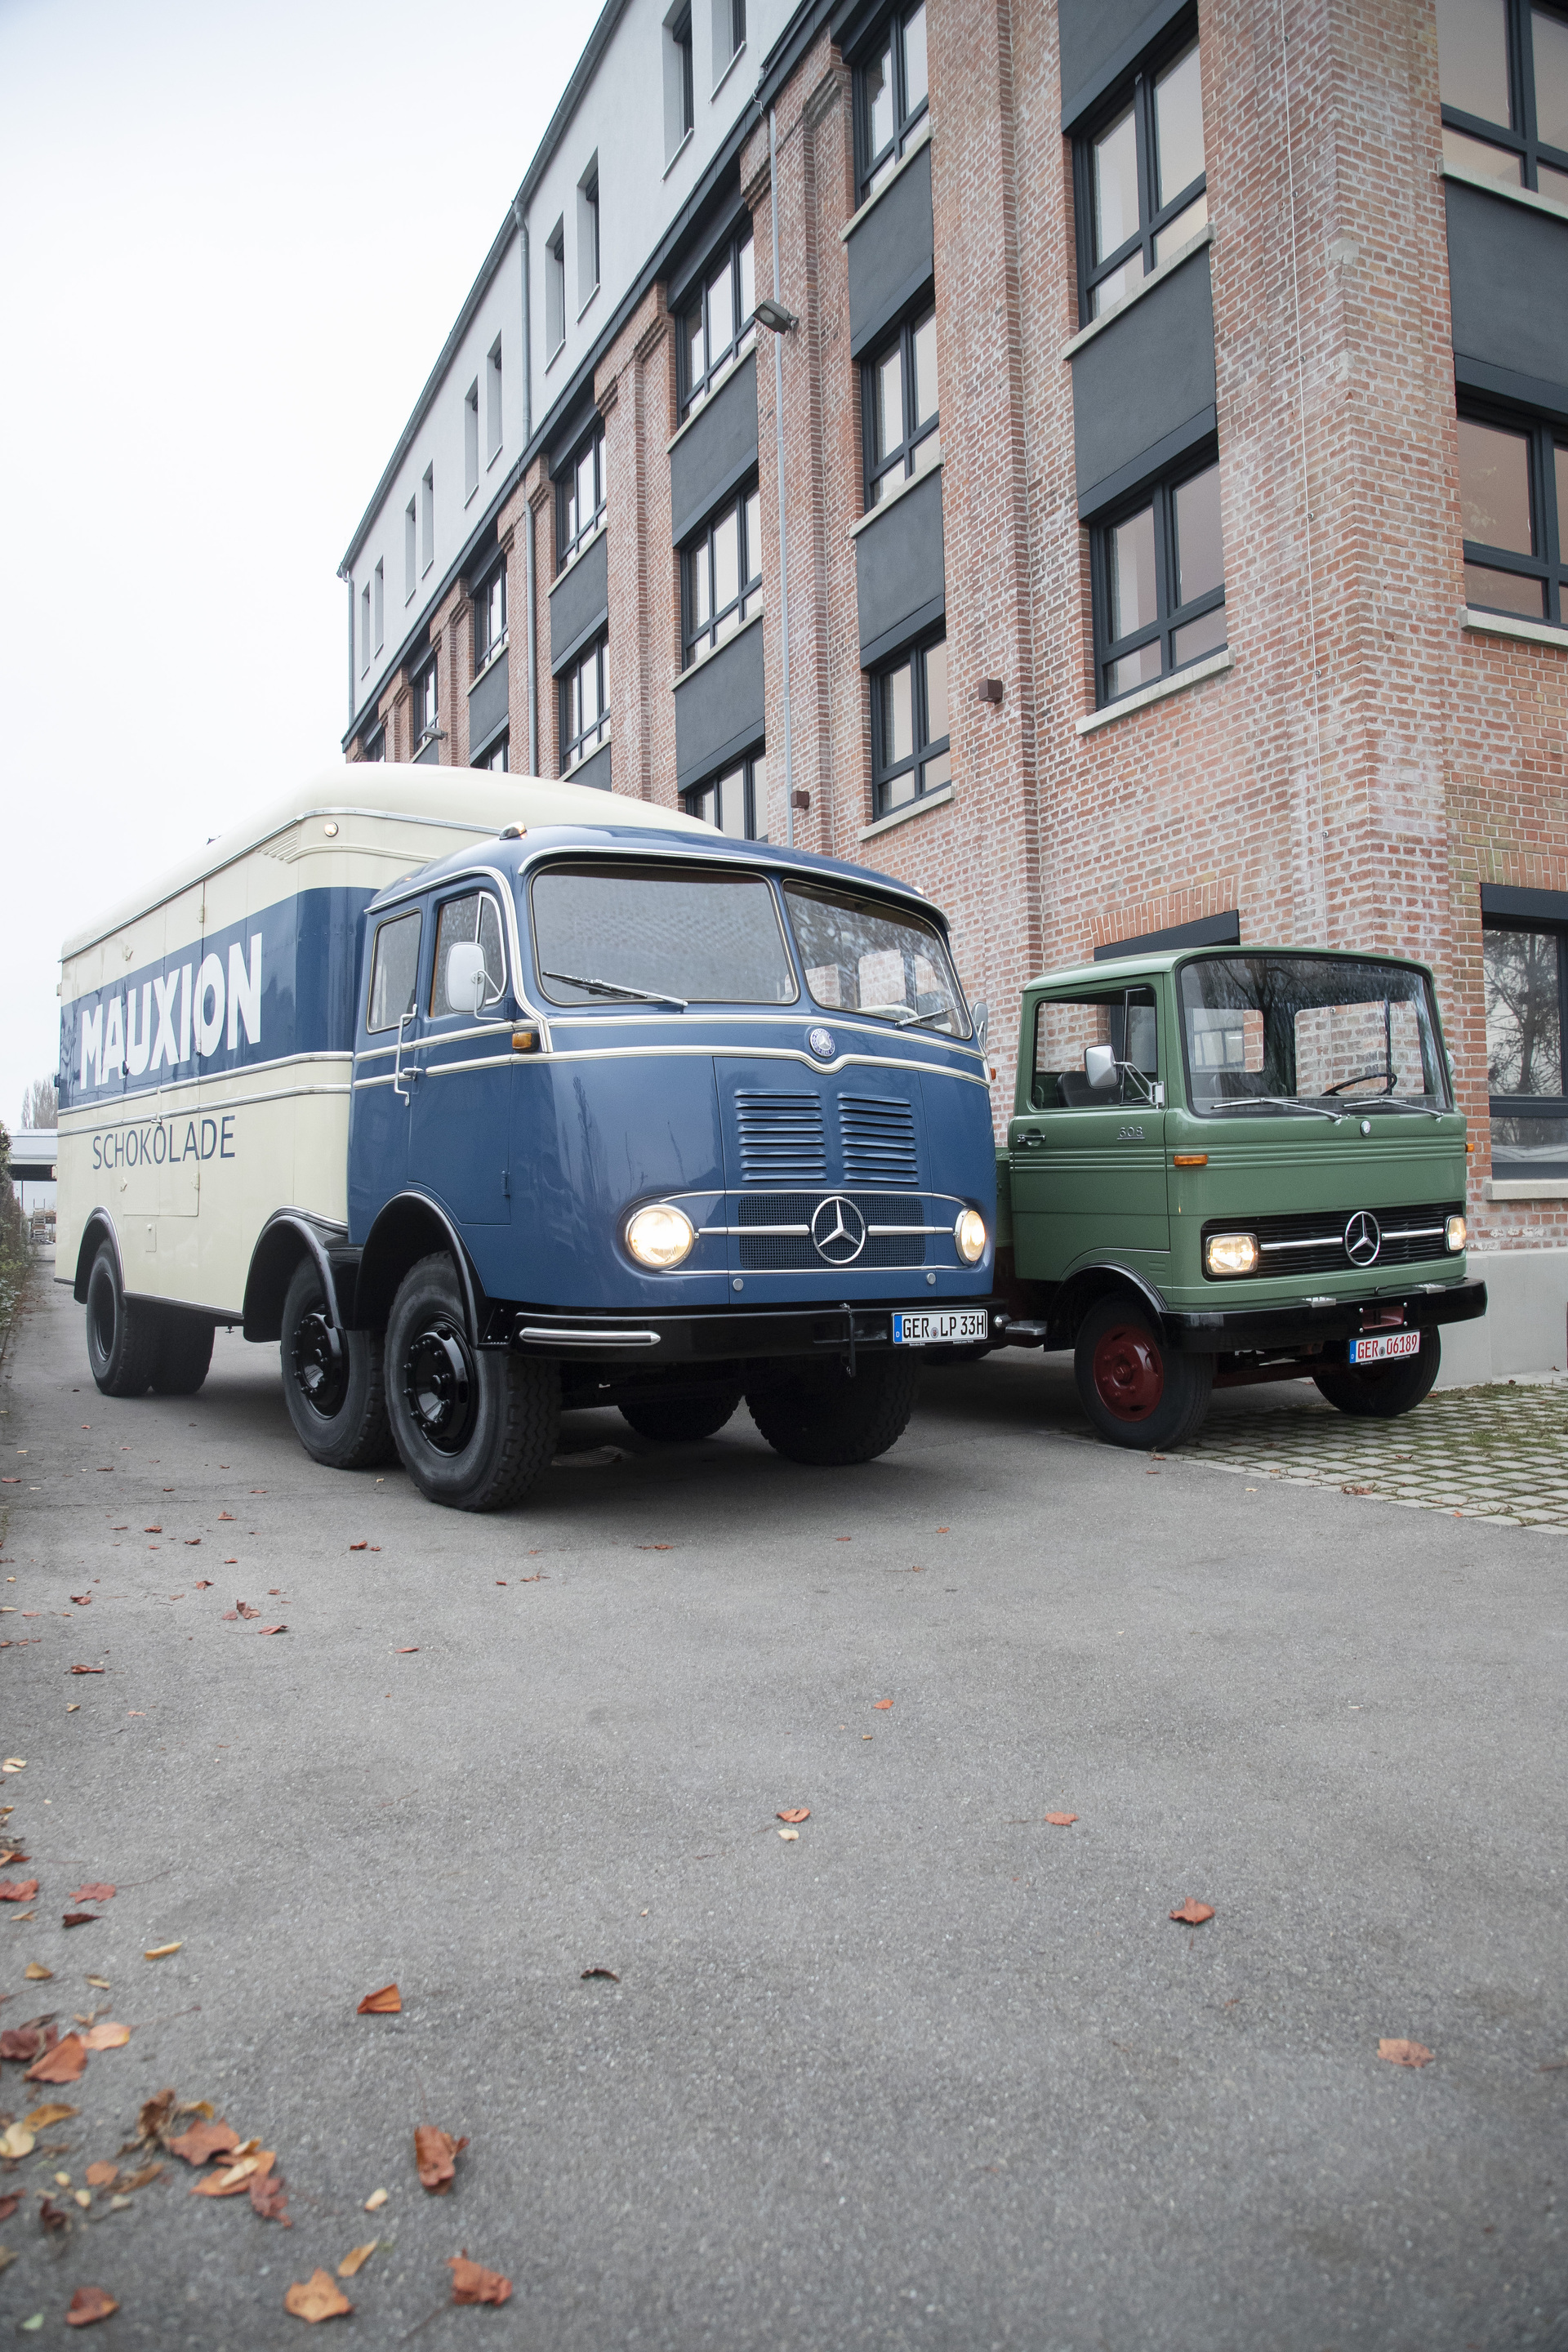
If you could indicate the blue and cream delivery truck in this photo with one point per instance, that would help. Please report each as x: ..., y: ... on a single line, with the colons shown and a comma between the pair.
x: 483, y: 1099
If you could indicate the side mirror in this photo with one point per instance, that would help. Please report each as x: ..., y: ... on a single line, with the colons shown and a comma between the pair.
x: 980, y: 1014
x: 1099, y: 1068
x: 466, y: 981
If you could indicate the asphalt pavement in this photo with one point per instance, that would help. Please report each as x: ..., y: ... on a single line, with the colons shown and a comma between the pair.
x: 933, y: 2073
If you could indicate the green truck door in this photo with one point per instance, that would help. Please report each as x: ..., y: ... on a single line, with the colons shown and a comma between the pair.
x: 1088, y: 1172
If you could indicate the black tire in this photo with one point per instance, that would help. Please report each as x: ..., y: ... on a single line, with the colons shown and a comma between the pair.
x: 1383, y: 1392
x: 819, y: 1416
x: 682, y: 1419
x: 475, y: 1427
x: 1136, y: 1390
x: 184, y: 1351
x: 332, y: 1381
x: 122, y: 1334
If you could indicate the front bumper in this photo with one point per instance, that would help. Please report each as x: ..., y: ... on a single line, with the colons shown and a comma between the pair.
x: 1241, y: 1330
x: 743, y: 1335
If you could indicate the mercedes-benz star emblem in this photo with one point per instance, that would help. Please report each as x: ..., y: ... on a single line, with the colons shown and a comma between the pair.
x: 1363, y: 1238
x: 821, y: 1042
x: 839, y: 1230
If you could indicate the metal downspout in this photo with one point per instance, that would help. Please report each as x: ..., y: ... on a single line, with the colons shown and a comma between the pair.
x: 349, y: 583
x: 778, y: 422
x: 531, y: 596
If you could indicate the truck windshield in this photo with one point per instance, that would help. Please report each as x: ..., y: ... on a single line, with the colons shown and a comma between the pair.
x: 1274, y: 1033
x: 862, y: 955
x: 641, y: 932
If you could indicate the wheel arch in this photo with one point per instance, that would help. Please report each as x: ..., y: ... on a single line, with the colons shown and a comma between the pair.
x: 287, y: 1237
x: 98, y: 1229
x: 409, y: 1227
x: 1086, y: 1286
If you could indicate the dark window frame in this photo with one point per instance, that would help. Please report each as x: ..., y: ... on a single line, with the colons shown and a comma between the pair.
x: 572, y: 754
x: 1137, y: 88
x: 1549, y: 564
x: 1554, y: 1107
x: 885, y: 772
x: 566, y: 489
x: 426, y: 725
x: 693, y: 794
x: 485, y: 650
x: 907, y: 122
x: 900, y: 460
x: 694, y: 391
x: 1108, y: 650
x: 698, y: 638
x: 1520, y: 136
x: 501, y: 744
x: 681, y: 34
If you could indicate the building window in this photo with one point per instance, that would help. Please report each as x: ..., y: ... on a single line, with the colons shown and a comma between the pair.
x: 1142, y: 189
x: 427, y: 544
x: 378, y: 605
x: 723, y: 576
x: 490, y: 616
x: 1159, y: 584
x: 410, y: 550
x: 910, y: 754
x: 736, y: 801
x: 365, y: 628
x: 1526, y: 973
x: 555, y: 290
x: 580, y: 497
x: 729, y: 36
x: 1513, y: 491
x: 1502, y: 67
x: 470, y: 440
x: 588, y: 235
x: 679, y: 83
x: 891, y: 97
x: 373, y: 745
x: 493, y: 404
x: 717, y: 328
x: 426, y: 708
x: 897, y: 389
x: 498, y: 757
x: 584, y: 705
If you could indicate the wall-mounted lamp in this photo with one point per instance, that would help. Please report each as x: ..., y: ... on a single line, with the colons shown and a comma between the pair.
x: 988, y: 690
x: 772, y: 314
x: 800, y: 801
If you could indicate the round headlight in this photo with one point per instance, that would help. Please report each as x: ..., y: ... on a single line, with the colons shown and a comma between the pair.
x: 969, y: 1236
x: 660, y: 1235
x: 1231, y: 1253
x: 1455, y: 1233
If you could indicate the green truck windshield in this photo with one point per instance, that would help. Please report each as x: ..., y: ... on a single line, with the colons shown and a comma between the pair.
x: 1270, y: 1032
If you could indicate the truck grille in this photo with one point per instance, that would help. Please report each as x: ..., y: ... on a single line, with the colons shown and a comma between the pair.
x: 781, y: 1253
x: 781, y: 1139
x: 878, y: 1139
x: 1314, y: 1242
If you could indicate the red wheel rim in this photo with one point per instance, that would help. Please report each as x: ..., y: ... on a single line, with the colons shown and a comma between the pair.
x: 1129, y: 1377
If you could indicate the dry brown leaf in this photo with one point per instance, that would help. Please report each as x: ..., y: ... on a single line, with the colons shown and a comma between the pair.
x: 413, y: 1652
x: 81, y: 1918
x: 881, y: 1705
x: 36, y: 1972
x: 272, y: 1628
x: 9, y: 2204
x: 106, y: 2036
x: 53, y: 2219
x: 17, y: 1890
x: 600, y: 1971
x: 356, y: 2260
x: 95, y: 1891
x: 317, y: 2298
x: 376, y: 2199
x: 149, y: 2172
x: 102, y: 2174
x: 472, y: 2284
x: 387, y: 2002
x: 86, y: 1670
x: 204, y: 2140
x: 1405, y: 2054
x: 63, y: 2063
x: 436, y: 2153
x: 154, y: 2115
x: 20, y: 2044
x: 159, y: 1951
x: 268, y: 2198
x: 1193, y: 1915
x: 55, y: 2112
x: 17, y: 2141
x: 358, y: 1547
x: 229, y: 2180
x: 1061, y: 1821
x: 87, y: 2303
x: 795, y: 1813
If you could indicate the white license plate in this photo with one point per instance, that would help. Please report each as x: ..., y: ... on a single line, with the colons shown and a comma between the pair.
x: 941, y: 1330
x: 1386, y: 1344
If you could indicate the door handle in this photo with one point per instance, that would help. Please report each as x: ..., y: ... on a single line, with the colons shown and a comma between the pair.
x: 1033, y: 1143
x: 400, y: 1090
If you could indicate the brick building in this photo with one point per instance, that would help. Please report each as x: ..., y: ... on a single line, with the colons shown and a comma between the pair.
x: 1105, y: 463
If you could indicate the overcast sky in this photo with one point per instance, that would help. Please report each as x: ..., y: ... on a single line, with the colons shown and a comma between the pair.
x: 232, y: 240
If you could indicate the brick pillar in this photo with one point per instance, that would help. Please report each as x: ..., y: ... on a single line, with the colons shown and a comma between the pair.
x: 452, y: 646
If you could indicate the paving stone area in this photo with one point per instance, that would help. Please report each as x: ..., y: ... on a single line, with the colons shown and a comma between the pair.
x: 1497, y: 1453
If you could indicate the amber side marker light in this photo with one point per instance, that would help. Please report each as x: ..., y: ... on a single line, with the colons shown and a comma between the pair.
x: 523, y: 1041
x: 1189, y: 1159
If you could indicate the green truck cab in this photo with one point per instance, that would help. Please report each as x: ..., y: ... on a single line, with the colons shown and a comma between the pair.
x: 1230, y: 1165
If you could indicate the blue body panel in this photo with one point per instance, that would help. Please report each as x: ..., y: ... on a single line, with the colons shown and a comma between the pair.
x: 536, y: 1158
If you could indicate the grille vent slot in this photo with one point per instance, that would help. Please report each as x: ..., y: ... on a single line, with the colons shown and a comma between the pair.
x: 782, y: 1138
x: 879, y: 1138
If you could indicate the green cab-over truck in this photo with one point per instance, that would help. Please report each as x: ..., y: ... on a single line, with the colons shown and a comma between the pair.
x: 1230, y: 1165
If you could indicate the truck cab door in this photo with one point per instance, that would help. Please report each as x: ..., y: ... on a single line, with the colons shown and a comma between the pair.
x: 1086, y: 1160
x: 459, y: 1126
x: 383, y: 1059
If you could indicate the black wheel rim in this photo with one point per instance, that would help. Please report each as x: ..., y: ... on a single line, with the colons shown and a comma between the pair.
x: 438, y: 1385
x: 320, y: 1364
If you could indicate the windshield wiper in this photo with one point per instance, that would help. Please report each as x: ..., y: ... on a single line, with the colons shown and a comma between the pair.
x: 1285, y: 1102
x: 617, y: 988
x: 908, y: 1019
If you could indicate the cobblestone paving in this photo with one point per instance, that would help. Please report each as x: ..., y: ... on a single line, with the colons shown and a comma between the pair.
x: 1497, y: 1453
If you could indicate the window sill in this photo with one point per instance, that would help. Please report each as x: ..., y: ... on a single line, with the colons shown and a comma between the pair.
x: 728, y: 71
x: 939, y: 799
x: 1504, y: 625
x: 1526, y: 196
x: 495, y: 453
x: 601, y: 745
x: 902, y: 490
x: 555, y: 355
x: 1155, y: 277
x: 680, y: 152
x: 583, y: 548
x: 1526, y: 1188
x: 1163, y: 688
x: 728, y: 369
x: 588, y: 305
x: 469, y: 496
x: 713, y: 652
x: 496, y: 654
x: 921, y: 139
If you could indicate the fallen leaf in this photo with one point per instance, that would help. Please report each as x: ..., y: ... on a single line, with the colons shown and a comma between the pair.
x: 17, y: 1890
x: 1193, y: 1915
x: 358, y: 1547
x: 204, y: 1583
x: 36, y: 1972
x: 229, y: 2180
x: 272, y: 1628
x: 53, y: 2218
x: 86, y: 1670
x: 192, y: 1539
x: 881, y: 1705
x: 316, y: 2298
x: 101, y: 1982
x: 21, y: 2044
x: 795, y: 1813
x: 102, y: 2174
x: 436, y: 2153
x: 1405, y: 2054
x: 599, y: 1971
x: 376, y: 2199
x: 268, y: 2199
x: 17, y: 2141
x: 356, y: 2259
x: 387, y: 2002
x: 149, y: 2172
x: 82, y: 1600
x: 82, y: 2197
x: 15, y: 1763
x: 472, y: 2284
x: 412, y: 1652
x: 12, y: 1853
x: 203, y: 2140
x: 151, y: 1532
x: 63, y: 2063
x: 162, y: 1951
x: 9, y: 2204
x: 106, y: 2036
x: 95, y: 1891
x: 55, y: 2112
x: 790, y: 1836
x: 87, y: 2303
x: 1061, y: 1821
x: 226, y: 1515
x: 244, y: 1609
x: 154, y: 2115
x: 80, y: 1918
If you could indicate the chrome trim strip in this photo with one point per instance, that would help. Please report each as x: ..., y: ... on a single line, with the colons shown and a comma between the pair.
x: 589, y: 1339
x: 774, y: 1054
x: 91, y: 1111
x: 788, y: 1016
